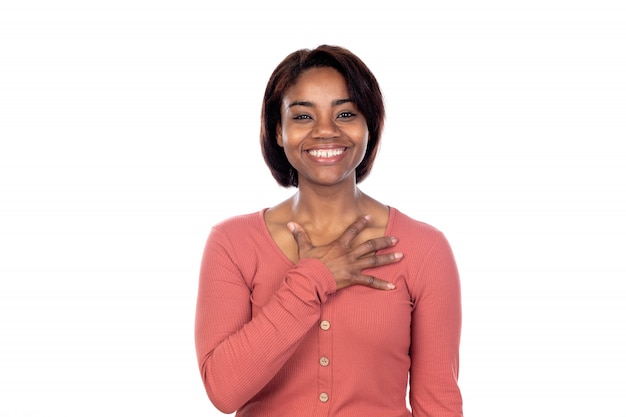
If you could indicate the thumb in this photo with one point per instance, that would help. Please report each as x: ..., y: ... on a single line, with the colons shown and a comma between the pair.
x: 300, y: 235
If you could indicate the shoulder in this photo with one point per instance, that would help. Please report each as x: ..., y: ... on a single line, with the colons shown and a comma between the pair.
x: 240, y: 223
x: 417, y: 238
x: 242, y: 238
x: 240, y: 231
x: 406, y: 225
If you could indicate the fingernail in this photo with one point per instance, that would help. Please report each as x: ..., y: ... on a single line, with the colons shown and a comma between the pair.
x: 394, y: 240
x: 391, y: 286
x: 291, y: 226
x: 367, y: 217
x: 398, y: 255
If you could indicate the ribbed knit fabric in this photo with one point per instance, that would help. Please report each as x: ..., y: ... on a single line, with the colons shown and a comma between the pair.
x: 275, y: 339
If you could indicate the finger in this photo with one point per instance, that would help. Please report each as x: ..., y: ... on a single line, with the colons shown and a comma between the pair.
x: 300, y: 235
x: 378, y: 260
x: 370, y: 281
x: 374, y: 245
x: 353, y: 230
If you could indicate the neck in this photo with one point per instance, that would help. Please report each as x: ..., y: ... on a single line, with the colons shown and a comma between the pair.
x: 326, y: 206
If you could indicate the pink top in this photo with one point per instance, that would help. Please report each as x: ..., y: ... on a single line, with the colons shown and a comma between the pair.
x: 275, y: 339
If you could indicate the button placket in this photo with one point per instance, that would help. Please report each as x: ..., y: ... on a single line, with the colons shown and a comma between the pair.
x: 325, y: 352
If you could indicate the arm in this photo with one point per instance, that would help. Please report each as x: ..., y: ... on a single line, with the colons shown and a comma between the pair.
x: 436, y: 330
x: 237, y: 354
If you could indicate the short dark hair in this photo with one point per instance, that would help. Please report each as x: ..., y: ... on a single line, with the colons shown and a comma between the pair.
x: 362, y: 86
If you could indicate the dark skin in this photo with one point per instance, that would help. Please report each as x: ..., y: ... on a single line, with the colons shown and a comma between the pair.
x: 346, y: 251
x: 324, y: 137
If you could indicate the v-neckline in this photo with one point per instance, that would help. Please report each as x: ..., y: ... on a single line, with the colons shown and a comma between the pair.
x: 283, y: 255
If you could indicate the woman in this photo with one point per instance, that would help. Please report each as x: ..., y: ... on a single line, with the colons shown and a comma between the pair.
x: 326, y: 303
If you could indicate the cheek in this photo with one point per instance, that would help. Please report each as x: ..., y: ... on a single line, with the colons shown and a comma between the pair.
x: 366, y: 141
x: 289, y: 148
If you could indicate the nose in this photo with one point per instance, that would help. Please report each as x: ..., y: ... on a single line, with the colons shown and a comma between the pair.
x: 325, y: 128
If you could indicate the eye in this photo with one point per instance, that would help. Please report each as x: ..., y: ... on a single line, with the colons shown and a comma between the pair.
x: 302, y: 117
x: 346, y: 115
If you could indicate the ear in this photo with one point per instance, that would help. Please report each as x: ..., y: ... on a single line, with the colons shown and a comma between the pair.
x: 279, y: 135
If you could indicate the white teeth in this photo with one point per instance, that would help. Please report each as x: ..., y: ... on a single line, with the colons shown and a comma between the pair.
x: 326, y: 153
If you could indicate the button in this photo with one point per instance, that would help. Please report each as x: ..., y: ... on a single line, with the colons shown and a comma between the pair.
x: 325, y: 325
x: 324, y: 361
x: 323, y: 397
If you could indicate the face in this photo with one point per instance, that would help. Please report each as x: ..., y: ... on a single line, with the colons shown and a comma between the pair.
x: 323, y: 133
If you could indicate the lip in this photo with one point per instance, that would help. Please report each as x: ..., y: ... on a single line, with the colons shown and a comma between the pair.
x: 326, y: 154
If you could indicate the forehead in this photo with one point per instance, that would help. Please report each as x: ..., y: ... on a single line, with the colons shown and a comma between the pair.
x: 318, y: 82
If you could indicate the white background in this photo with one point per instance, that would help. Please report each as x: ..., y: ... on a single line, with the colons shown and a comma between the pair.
x: 128, y: 128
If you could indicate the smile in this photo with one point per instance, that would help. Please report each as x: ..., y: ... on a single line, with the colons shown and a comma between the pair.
x: 326, y: 153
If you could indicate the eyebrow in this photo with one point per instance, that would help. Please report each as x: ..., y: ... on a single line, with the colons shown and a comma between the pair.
x: 338, y: 102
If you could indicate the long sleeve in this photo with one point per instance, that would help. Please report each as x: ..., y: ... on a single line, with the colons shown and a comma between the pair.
x: 435, y: 338
x: 240, y: 352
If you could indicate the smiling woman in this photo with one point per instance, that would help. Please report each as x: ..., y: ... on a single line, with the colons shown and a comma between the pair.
x: 330, y: 302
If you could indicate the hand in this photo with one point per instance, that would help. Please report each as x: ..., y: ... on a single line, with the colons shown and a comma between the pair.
x: 346, y: 262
